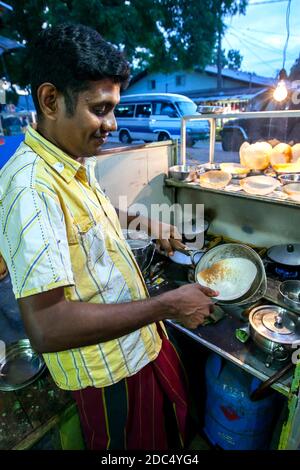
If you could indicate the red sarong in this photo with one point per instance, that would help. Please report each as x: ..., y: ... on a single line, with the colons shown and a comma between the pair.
x: 131, y: 414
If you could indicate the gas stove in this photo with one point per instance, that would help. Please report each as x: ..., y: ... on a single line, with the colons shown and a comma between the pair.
x: 278, y: 272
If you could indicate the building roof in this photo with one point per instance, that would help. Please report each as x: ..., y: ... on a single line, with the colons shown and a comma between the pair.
x: 247, y: 77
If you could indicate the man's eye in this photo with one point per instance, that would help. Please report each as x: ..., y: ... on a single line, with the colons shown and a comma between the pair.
x: 100, y: 111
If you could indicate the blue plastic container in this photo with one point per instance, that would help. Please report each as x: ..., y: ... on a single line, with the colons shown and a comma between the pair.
x: 232, y: 420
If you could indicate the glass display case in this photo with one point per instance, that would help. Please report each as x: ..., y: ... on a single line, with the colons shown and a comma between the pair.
x: 251, y: 154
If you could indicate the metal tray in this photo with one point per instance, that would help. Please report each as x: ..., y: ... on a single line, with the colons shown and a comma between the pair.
x: 20, y: 367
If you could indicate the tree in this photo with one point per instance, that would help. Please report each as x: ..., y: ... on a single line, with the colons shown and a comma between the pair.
x: 233, y: 59
x: 157, y: 34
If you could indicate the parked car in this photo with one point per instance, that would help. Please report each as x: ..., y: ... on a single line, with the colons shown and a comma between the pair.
x: 237, y: 131
x: 157, y: 116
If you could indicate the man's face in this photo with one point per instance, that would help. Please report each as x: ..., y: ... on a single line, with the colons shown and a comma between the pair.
x: 83, y: 134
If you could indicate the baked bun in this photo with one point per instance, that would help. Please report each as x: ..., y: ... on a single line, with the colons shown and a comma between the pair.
x: 281, y: 153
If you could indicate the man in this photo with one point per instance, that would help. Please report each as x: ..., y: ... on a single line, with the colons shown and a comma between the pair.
x: 82, y: 296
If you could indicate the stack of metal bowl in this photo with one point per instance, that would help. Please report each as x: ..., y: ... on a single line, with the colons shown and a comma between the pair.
x: 235, y: 250
x: 180, y: 172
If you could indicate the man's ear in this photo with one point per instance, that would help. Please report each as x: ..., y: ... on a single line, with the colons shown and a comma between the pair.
x: 48, y: 98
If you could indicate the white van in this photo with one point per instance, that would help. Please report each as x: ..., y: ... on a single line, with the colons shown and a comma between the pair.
x: 157, y: 116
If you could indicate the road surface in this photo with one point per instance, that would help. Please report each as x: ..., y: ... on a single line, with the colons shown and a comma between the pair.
x: 199, y: 153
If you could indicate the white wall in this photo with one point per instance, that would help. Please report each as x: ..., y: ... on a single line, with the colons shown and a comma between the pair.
x: 166, y: 83
x: 137, y: 174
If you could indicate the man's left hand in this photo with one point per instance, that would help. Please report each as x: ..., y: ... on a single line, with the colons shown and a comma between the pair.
x: 167, y: 236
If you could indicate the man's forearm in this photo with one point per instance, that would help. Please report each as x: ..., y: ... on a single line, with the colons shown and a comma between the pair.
x: 78, y: 324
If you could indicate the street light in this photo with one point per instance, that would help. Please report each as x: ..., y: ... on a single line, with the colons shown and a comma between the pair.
x: 280, y: 92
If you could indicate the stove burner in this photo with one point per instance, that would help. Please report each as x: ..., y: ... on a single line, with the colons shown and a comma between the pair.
x: 285, y: 274
x: 280, y: 272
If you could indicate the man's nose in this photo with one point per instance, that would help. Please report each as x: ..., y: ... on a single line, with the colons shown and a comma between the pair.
x: 109, y: 123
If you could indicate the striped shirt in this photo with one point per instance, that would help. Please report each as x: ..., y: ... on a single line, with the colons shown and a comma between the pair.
x: 57, y: 228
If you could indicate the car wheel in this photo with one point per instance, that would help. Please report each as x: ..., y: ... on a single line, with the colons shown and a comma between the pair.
x: 231, y: 141
x: 190, y: 141
x: 163, y: 136
x: 125, y: 138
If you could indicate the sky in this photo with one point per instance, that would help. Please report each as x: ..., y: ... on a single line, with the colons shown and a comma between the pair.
x: 261, y: 33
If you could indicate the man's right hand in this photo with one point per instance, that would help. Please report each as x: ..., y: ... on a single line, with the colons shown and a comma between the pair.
x: 190, y: 304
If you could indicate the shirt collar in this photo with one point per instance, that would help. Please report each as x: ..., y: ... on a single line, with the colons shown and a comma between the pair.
x: 61, y: 162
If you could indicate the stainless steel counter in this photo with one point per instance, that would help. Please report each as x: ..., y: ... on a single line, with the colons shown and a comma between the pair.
x: 220, y: 338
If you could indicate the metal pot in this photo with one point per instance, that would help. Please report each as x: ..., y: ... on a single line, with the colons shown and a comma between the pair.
x: 274, y: 330
x: 142, y: 247
x: 287, y: 255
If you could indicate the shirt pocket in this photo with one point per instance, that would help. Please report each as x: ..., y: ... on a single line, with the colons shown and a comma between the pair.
x: 90, y: 236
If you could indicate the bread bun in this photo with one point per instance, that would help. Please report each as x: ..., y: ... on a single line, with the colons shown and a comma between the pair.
x: 243, y: 147
x: 256, y: 156
x: 296, y: 153
x: 281, y: 153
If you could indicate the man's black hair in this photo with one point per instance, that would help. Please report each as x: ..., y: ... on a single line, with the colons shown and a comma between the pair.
x: 70, y: 56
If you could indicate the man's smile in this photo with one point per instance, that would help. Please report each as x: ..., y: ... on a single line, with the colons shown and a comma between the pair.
x: 100, y: 139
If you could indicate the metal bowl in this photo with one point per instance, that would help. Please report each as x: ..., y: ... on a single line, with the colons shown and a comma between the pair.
x: 236, y: 250
x: 20, y: 365
x: 288, y: 178
x: 180, y: 172
x: 289, y: 292
x: 293, y: 190
x: 208, y: 166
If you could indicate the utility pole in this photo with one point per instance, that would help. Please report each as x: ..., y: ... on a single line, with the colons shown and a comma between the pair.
x: 219, y: 52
